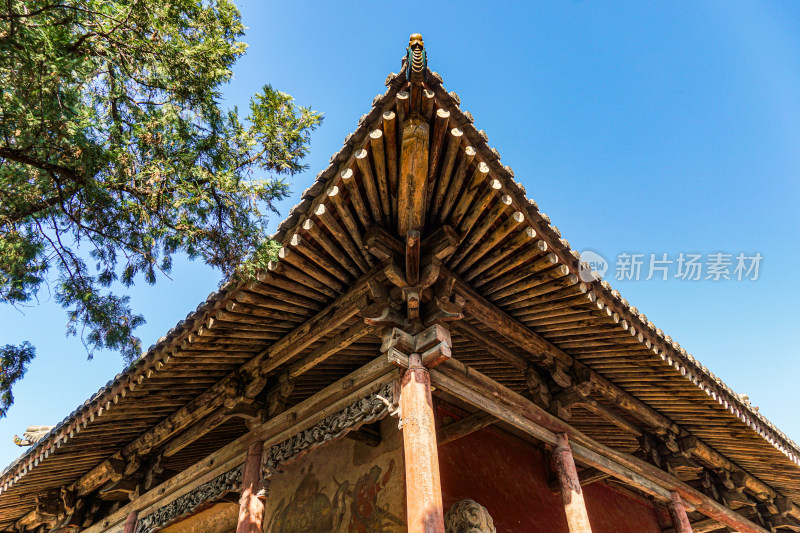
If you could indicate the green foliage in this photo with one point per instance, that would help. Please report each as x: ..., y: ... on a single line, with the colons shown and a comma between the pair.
x: 13, y: 365
x: 115, y: 151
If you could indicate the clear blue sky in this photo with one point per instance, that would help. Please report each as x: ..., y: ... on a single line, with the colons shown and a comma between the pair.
x: 672, y: 127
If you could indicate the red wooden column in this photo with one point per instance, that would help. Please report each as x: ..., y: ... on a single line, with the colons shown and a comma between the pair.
x: 425, y: 512
x: 130, y: 522
x: 251, y: 508
x: 571, y: 493
x: 677, y: 512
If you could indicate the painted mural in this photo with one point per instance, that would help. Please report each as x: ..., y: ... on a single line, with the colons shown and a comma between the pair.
x: 344, y: 487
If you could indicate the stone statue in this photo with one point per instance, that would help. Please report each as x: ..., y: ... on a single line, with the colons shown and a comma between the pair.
x: 468, y: 516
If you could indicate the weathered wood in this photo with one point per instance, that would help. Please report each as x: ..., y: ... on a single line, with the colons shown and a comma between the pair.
x: 518, y: 241
x: 392, y: 162
x: 297, y: 242
x: 348, y: 178
x: 456, y: 183
x: 413, y: 248
x: 278, y: 353
x: 509, y: 225
x: 677, y: 514
x: 283, y: 268
x: 536, y: 249
x: 491, y: 316
x: 349, y: 221
x: 427, y: 104
x: 439, y: 132
x: 290, y: 255
x: 490, y: 345
x: 469, y: 192
x: 371, y: 188
x: 587, y: 476
x: 342, y: 259
x: 466, y: 426
x: 477, y: 233
x: 442, y: 184
x: 379, y: 158
x: 403, y: 105
x: 424, y: 508
x: 473, y: 387
x: 571, y: 493
x: 413, y: 172
x: 701, y: 526
x: 330, y: 347
x: 341, y: 236
x: 516, y: 280
x: 251, y: 508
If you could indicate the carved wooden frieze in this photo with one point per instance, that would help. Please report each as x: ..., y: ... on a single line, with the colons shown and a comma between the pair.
x: 468, y: 516
x: 187, y: 504
x: 364, y: 411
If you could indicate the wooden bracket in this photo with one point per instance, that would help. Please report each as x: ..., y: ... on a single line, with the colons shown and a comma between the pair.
x: 432, y: 344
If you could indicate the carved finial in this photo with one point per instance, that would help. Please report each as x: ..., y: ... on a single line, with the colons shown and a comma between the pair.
x: 416, y: 59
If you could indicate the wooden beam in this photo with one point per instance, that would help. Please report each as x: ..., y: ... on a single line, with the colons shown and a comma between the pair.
x: 379, y: 158
x: 571, y: 493
x: 328, y: 348
x: 466, y: 426
x: 412, y: 187
x: 477, y: 389
x: 390, y: 132
x: 443, y: 182
x: 251, y: 507
x: 587, y: 476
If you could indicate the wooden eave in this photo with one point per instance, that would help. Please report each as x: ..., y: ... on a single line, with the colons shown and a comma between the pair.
x: 238, y: 329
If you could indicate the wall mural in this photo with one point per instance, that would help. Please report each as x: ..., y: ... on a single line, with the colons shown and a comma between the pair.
x: 344, y: 487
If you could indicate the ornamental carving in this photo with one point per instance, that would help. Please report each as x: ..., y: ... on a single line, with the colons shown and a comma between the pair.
x: 364, y: 411
x: 188, y: 504
x: 468, y: 516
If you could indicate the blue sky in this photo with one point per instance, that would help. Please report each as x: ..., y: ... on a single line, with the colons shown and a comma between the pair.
x: 672, y: 127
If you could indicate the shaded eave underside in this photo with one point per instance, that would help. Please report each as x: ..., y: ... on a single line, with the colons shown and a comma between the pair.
x: 193, y: 356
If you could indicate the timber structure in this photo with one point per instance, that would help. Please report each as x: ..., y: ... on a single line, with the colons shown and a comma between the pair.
x: 417, y: 286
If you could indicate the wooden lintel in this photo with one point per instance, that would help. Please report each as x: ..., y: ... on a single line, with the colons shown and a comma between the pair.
x: 473, y: 387
x: 466, y: 426
x: 587, y: 476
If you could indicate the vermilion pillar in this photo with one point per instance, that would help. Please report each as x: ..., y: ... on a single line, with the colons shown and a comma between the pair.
x: 677, y: 512
x: 571, y: 493
x: 423, y: 485
x: 130, y: 522
x: 251, y: 508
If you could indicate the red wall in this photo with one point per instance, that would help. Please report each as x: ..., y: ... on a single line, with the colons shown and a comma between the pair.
x: 507, y: 476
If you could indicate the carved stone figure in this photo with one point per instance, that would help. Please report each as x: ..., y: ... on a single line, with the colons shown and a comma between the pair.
x: 468, y: 516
